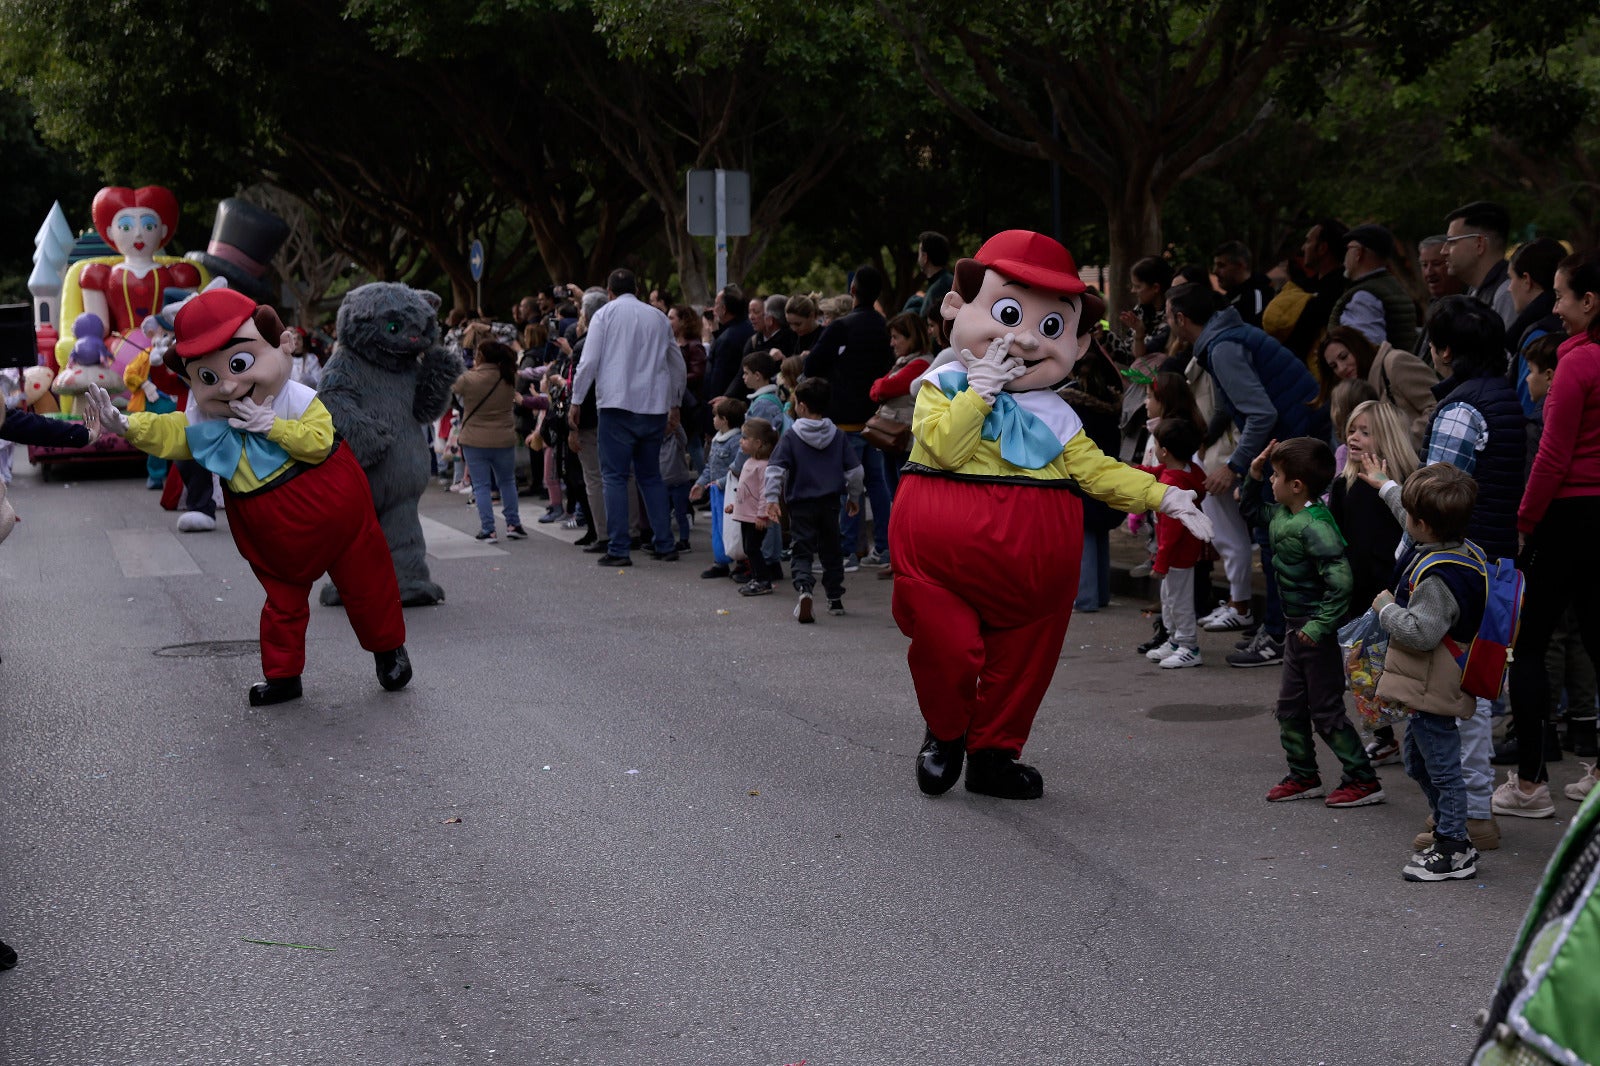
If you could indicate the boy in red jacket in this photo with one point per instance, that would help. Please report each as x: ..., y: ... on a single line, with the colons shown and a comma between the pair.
x: 1177, y: 549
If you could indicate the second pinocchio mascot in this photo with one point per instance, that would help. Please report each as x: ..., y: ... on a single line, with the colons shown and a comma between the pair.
x: 298, y: 504
x: 985, y: 535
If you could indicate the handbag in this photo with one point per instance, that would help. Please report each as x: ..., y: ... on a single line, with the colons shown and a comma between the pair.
x: 887, y: 434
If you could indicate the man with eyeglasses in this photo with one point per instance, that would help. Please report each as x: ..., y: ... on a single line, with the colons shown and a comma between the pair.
x: 1475, y: 252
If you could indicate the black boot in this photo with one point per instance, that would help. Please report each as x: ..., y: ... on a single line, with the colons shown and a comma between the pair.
x: 274, y: 690
x: 394, y: 668
x: 8, y: 956
x: 993, y: 772
x: 1581, y: 739
x: 1158, y: 638
x: 939, y: 763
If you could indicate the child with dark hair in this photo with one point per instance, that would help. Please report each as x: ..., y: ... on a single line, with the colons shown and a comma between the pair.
x: 1177, y: 550
x: 1439, y: 594
x: 1314, y: 580
x: 812, y: 465
x: 723, y: 457
x: 756, y: 441
x: 760, y: 370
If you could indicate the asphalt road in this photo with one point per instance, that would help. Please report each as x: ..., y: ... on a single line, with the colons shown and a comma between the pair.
x: 625, y: 817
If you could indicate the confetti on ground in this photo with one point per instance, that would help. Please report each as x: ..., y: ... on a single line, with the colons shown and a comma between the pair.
x: 631, y: 771
x: 453, y: 821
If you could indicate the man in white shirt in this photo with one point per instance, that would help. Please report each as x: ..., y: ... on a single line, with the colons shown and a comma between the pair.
x: 632, y: 362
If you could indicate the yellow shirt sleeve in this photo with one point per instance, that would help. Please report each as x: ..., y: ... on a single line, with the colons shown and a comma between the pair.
x: 307, y: 439
x: 947, y: 431
x: 1111, y: 482
x: 162, y: 436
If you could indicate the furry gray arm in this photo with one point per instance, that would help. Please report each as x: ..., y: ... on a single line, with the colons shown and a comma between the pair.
x: 437, y: 372
x: 342, y: 394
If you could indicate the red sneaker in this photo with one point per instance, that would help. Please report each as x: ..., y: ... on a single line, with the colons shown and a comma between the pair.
x: 1295, y: 788
x: 1356, y: 794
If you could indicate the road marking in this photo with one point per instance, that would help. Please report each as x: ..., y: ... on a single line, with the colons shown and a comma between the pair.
x: 150, y: 553
x: 447, y: 542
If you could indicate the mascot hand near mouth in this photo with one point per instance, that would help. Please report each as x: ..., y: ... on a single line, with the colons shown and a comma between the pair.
x: 985, y: 535
x: 298, y: 503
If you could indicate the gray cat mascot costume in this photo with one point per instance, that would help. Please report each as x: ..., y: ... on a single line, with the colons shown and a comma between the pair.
x: 389, y: 375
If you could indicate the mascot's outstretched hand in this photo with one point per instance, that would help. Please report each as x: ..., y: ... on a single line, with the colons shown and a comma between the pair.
x: 1179, y: 504
x: 990, y: 375
x: 100, y: 415
x: 252, y: 417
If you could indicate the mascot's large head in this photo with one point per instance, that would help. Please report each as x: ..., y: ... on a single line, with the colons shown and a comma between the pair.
x: 136, y: 222
x: 230, y: 348
x: 1025, y: 284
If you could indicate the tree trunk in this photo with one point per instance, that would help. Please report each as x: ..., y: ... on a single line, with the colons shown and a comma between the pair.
x: 1135, y: 224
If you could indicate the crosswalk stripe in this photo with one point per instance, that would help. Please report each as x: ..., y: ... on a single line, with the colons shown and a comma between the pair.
x: 150, y: 553
x: 447, y: 542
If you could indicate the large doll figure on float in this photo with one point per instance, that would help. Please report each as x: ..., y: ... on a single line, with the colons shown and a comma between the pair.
x: 298, y: 503
x: 985, y: 535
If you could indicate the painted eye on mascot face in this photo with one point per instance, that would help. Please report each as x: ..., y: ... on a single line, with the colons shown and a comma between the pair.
x: 393, y: 326
x: 241, y: 362
x: 1052, y: 326
x: 207, y: 376
x: 1007, y: 312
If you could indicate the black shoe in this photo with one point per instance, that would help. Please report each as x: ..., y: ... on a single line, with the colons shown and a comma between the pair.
x: 664, y: 557
x: 992, y: 772
x: 1581, y: 739
x: 836, y: 607
x: 394, y: 668
x: 635, y: 543
x: 1157, y: 638
x: 274, y: 690
x: 715, y: 570
x: 586, y: 540
x: 8, y: 956
x: 683, y: 546
x: 1443, y: 860
x: 939, y: 763
x: 742, y: 575
x: 1505, y: 753
x: 598, y: 547
x: 614, y: 560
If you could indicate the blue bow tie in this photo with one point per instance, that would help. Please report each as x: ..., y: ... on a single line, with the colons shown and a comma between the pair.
x: 217, y: 446
x: 1025, y: 440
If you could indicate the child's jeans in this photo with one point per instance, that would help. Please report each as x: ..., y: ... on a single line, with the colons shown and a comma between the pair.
x: 1177, y: 606
x: 761, y: 568
x: 814, y: 531
x: 678, y: 501
x: 719, y: 550
x: 1433, y: 759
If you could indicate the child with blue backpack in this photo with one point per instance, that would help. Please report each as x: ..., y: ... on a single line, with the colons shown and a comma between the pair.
x: 1439, y: 595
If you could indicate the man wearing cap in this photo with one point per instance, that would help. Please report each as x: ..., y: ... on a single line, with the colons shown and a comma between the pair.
x: 1375, y: 305
x: 986, y: 533
x: 298, y: 503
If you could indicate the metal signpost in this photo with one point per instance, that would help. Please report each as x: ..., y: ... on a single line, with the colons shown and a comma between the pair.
x: 719, y: 206
x: 475, y: 261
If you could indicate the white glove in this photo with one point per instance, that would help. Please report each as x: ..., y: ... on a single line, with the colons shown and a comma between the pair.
x: 252, y: 417
x: 1179, y: 504
x: 989, y: 375
x: 151, y: 393
x: 100, y: 415
x: 158, y: 354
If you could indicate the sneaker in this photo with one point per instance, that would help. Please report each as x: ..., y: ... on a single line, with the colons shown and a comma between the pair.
x: 1229, y: 620
x: 1181, y: 658
x: 802, y: 610
x: 1584, y: 785
x: 1356, y: 794
x: 516, y: 533
x: 714, y: 570
x: 1443, y: 862
x: 1161, y: 651
x: 851, y: 563
x: 488, y: 535
x: 1247, y: 637
x: 1263, y: 651
x: 1294, y: 788
x: 554, y: 514
x: 1214, y: 613
x: 875, y: 558
x: 1510, y: 799
x: 682, y: 546
x: 756, y: 588
x: 573, y: 523
x: 1142, y: 569
x: 836, y: 607
x: 1383, y: 752
x: 1158, y: 638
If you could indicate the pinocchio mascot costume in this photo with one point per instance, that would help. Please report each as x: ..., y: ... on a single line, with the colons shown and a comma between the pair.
x: 985, y: 535
x: 298, y: 503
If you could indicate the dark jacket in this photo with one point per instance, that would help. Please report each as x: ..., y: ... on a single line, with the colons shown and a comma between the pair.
x: 1399, y: 312
x: 1537, y: 319
x: 852, y: 353
x: 1500, y: 464
x: 1313, y: 321
x: 1266, y: 387
x: 25, y: 427
x: 1251, y: 299
x: 727, y: 349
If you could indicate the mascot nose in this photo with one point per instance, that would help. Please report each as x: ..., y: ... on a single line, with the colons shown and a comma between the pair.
x: 1027, y: 339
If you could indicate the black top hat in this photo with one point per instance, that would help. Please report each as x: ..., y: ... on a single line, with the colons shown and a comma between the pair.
x: 244, y: 238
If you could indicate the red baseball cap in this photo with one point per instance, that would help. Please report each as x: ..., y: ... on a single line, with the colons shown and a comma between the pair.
x: 209, y: 321
x: 1033, y: 259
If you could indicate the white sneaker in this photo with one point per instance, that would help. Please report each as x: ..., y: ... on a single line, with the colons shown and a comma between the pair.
x: 196, y: 522
x: 1142, y: 569
x: 1511, y: 800
x: 1222, y: 605
x: 1181, y: 658
x: 1584, y: 785
x: 1161, y: 651
x: 1227, y: 619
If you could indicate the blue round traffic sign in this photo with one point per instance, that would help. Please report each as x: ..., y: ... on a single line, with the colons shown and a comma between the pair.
x: 475, y: 260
